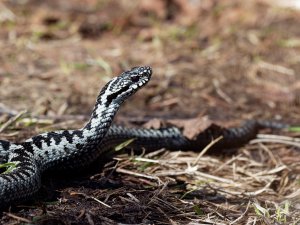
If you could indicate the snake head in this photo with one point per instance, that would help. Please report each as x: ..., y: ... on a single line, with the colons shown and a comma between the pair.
x: 134, y: 78
x: 125, y: 85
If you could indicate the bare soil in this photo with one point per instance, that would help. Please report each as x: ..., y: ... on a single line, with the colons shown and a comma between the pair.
x: 230, y: 60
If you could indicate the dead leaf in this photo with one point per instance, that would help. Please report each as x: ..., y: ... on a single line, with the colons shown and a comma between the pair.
x: 191, y: 128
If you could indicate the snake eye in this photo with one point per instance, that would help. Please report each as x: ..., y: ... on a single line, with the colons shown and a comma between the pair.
x: 135, y: 78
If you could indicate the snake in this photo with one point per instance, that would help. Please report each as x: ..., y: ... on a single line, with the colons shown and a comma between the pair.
x: 73, y: 149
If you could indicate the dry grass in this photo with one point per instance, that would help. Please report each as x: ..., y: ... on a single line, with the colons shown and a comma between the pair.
x: 254, y: 185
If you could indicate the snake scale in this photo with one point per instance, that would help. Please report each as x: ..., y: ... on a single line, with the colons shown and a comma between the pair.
x: 72, y: 149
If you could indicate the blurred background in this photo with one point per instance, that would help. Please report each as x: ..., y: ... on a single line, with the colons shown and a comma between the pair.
x: 227, y: 59
x: 231, y: 60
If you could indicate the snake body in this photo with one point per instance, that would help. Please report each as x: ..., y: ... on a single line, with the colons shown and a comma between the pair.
x: 172, y: 138
x: 72, y: 149
x: 68, y: 147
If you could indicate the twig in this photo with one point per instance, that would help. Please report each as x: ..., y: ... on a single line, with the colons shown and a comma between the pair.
x: 55, y: 118
x: 81, y: 214
x: 227, y: 163
x: 255, y: 141
x: 120, y: 170
x: 277, y: 137
x: 18, y: 218
x: 255, y: 193
x: 147, y: 160
x: 223, y: 180
x: 89, y: 219
x: 91, y: 197
x: 243, y: 214
x: 273, y: 171
x: 5, y: 110
x: 97, y: 200
x: 155, y: 153
x: 133, y: 197
x: 12, y: 120
x: 272, y: 157
x: 293, y: 195
x: 221, y: 93
x: 276, y: 68
x: 206, y: 149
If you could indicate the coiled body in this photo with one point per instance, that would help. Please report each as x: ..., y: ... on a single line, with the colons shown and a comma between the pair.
x: 65, y: 148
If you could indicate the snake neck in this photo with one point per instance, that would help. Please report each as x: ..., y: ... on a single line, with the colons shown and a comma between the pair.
x: 63, y: 147
x: 99, y: 123
x: 102, y: 116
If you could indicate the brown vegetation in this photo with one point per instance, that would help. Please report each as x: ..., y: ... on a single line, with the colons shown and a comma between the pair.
x: 230, y: 60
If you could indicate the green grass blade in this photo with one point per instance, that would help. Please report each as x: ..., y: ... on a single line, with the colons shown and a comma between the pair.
x: 10, y: 166
x: 294, y: 129
x: 124, y: 144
